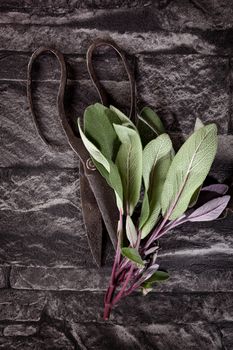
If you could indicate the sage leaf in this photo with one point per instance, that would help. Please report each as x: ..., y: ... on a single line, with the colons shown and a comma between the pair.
x: 133, y: 255
x: 210, y: 210
x: 131, y: 231
x: 114, y: 181
x: 99, y: 130
x: 93, y: 150
x: 217, y: 188
x: 152, y: 250
x: 156, y: 162
x: 198, y: 124
x: 155, y: 195
x: 152, y: 153
x: 129, y: 163
x: 147, y: 273
x: 145, y: 210
x: 122, y: 118
x: 158, y: 276
x: 210, y: 192
x: 195, y: 196
x: 116, y: 184
x: 105, y: 166
x: 188, y: 170
x: 152, y: 120
x: 149, y: 125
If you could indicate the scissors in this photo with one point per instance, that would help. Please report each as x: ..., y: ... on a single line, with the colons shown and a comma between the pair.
x: 97, y: 198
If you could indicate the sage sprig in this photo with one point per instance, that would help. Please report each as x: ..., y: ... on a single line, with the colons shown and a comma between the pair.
x: 134, y: 158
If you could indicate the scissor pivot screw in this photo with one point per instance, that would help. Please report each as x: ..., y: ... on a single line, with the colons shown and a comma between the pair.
x: 90, y: 165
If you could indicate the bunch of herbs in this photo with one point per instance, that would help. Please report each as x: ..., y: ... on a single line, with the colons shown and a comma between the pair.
x: 155, y: 189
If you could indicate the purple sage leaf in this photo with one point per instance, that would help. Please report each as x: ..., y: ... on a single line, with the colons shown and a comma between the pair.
x: 151, y: 250
x: 218, y: 188
x: 210, y: 210
x: 147, y: 274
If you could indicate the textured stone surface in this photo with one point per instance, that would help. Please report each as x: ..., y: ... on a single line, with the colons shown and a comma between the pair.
x: 62, y: 6
x: 73, y: 39
x: 182, y: 88
x: 48, y: 338
x: 79, y: 307
x: 43, y: 278
x: 155, y: 307
x: 196, y: 26
x: 223, y: 166
x: 21, y: 306
x: 154, y: 15
x: 19, y: 330
x: 227, y: 335
x: 189, y: 269
x: 46, y: 68
x: 24, y: 191
x: 4, y: 276
x: 24, y: 147
x: 197, y: 270
x: 49, y: 237
x: 38, y: 227
x: 103, y: 337
x: 154, y: 336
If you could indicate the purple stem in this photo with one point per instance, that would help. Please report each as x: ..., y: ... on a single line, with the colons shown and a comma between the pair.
x: 121, y: 292
x: 129, y: 275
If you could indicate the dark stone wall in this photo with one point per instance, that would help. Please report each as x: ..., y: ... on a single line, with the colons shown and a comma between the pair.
x: 51, y: 294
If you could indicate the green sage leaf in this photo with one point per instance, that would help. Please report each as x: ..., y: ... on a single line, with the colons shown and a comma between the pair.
x: 188, y: 170
x: 152, y: 153
x: 149, y: 125
x: 145, y: 210
x: 129, y: 163
x: 114, y: 181
x: 195, y: 196
x: 155, y: 205
x: 133, y: 255
x: 98, y: 128
x: 131, y: 231
x: 158, y: 276
x: 122, y: 118
x: 198, y: 124
x: 93, y: 150
x: 156, y: 162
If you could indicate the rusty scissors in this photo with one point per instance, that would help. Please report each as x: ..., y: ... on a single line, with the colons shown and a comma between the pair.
x: 97, y: 199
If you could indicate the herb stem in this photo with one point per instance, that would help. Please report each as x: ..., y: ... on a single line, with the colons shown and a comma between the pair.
x: 124, y: 265
x: 156, y: 232
x: 121, y: 292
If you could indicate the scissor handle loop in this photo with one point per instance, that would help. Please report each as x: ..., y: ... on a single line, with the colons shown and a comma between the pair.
x: 60, y: 95
x: 99, y: 87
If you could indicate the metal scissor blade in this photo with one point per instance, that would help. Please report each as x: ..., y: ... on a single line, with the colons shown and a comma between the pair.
x: 92, y: 218
x: 105, y: 199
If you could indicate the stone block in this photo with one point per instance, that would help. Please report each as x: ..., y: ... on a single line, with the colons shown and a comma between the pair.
x: 182, y: 88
